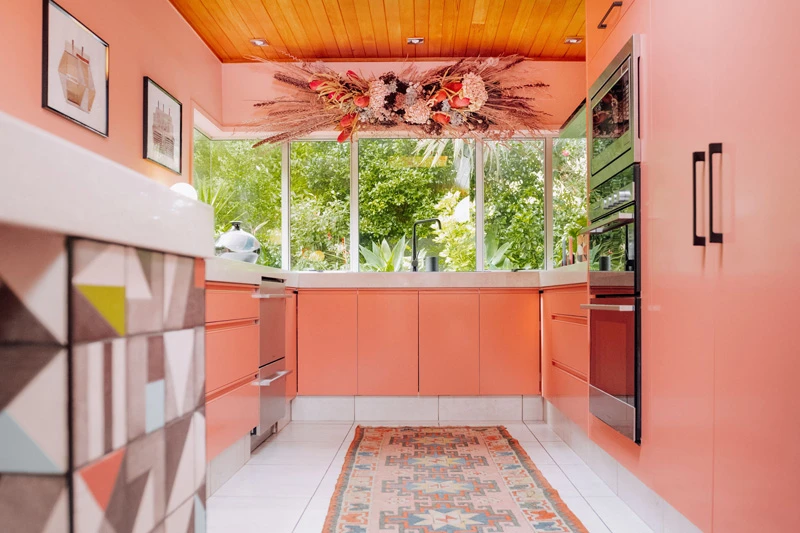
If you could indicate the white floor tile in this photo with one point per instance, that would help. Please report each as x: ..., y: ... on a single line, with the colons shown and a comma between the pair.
x: 397, y: 408
x: 562, y: 454
x: 254, y: 515
x: 559, y: 481
x: 586, y: 514
x: 519, y: 431
x: 291, y: 481
x: 312, y: 432
x: 396, y: 423
x: 617, y: 516
x: 543, y: 432
x: 537, y: 453
x: 312, y: 521
x: 480, y: 408
x: 587, y: 482
x: 295, y: 453
x: 675, y: 522
x: 642, y: 499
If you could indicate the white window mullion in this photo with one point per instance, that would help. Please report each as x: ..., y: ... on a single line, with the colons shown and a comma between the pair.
x: 548, y: 203
x: 286, y: 194
x: 354, y: 254
x: 480, y: 234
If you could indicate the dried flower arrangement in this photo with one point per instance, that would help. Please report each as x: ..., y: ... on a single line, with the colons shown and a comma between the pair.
x: 478, y: 98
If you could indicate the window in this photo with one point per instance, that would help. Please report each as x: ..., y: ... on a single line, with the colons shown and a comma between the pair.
x: 401, y: 181
x: 242, y: 183
x: 569, y: 196
x: 514, y: 205
x: 319, y: 173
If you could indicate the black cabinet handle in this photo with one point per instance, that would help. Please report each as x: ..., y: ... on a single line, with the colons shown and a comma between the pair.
x: 603, y: 24
x: 713, y: 236
x: 697, y: 157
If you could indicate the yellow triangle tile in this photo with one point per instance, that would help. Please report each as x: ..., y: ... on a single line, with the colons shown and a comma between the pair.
x: 109, y: 302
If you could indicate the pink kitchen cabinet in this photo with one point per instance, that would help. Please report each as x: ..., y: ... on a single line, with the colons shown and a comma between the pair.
x: 388, y: 339
x: 291, y: 343
x: 449, y: 343
x: 327, y: 342
x: 509, y: 342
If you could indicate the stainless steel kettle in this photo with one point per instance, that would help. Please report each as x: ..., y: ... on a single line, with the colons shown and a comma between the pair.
x: 238, y: 245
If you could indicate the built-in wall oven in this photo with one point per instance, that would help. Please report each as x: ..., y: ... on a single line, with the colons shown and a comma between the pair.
x: 272, y: 358
x: 614, y: 246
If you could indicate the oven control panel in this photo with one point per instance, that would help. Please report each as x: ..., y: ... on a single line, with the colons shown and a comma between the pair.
x: 612, y: 195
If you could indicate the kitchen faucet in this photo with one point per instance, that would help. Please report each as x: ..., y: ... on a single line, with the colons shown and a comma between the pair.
x: 414, y: 262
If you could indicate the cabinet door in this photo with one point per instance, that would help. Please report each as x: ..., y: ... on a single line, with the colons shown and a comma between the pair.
x: 291, y: 343
x: 757, y: 362
x: 231, y: 416
x: 603, y: 45
x: 509, y: 342
x: 609, y: 14
x: 326, y: 342
x: 231, y: 353
x: 388, y: 338
x: 448, y: 343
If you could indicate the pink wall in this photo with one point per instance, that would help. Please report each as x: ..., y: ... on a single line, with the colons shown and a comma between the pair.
x: 146, y: 38
x: 245, y: 83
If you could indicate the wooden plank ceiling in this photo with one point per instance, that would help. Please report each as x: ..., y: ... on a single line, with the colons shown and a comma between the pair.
x: 364, y: 30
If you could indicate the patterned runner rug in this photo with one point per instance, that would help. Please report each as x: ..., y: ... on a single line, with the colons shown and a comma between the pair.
x: 443, y: 479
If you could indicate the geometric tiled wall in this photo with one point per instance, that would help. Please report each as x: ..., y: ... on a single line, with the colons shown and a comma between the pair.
x: 102, y: 387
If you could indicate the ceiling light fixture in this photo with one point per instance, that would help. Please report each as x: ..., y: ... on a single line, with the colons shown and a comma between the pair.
x: 415, y: 40
x: 573, y: 40
x: 259, y: 42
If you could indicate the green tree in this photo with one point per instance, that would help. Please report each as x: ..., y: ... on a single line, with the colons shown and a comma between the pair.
x: 569, y: 192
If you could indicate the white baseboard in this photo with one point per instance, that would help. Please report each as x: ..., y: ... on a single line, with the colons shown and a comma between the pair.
x: 416, y: 408
x: 226, y: 464
x: 654, y: 510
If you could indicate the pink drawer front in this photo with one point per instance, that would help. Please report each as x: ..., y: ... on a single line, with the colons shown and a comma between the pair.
x: 229, y: 301
x: 567, y: 302
x: 231, y: 353
x: 231, y: 416
x: 569, y: 344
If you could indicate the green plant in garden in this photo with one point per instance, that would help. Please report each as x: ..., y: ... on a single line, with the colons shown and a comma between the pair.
x: 496, y: 258
x: 384, y: 257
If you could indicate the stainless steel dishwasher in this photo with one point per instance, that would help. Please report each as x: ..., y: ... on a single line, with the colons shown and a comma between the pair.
x: 272, y: 358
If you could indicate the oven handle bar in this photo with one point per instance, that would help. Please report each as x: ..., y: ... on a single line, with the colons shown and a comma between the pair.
x: 274, y: 377
x: 607, y: 307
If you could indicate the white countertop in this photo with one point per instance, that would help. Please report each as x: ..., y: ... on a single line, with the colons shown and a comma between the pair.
x: 54, y: 185
x: 226, y: 270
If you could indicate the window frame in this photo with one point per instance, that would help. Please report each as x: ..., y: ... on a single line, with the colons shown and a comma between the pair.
x: 480, y: 260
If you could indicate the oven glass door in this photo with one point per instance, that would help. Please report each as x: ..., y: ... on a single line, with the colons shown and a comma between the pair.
x: 613, y: 369
x: 612, y: 133
x: 612, y: 256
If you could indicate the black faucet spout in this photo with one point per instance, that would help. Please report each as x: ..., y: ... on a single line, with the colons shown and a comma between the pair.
x: 414, y: 262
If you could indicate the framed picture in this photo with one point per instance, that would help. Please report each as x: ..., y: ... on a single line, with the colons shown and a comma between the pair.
x: 74, y: 70
x: 162, y: 126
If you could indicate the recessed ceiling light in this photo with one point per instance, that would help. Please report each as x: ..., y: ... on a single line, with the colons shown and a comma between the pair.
x: 573, y: 40
x: 415, y: 40
x: 259, y: 42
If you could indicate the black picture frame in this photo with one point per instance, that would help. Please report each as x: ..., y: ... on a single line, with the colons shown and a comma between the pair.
x: 147, y: 127
x: 46, y: 103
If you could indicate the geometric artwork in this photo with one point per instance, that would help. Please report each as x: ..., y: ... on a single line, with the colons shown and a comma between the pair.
x: 146, y: 385
x: 184, y: 292
x: 33, y: 409
x: 33, y: 295
x: 34, y: 504
x: 99, y: 410
x: 444, y: 479
x: 98, y: 291
x: 75, y: 77
x: 162, y: 126
x: 179, y: 361
x: 144, y: 291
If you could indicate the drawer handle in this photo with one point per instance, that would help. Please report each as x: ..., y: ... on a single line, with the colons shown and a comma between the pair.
x: 273, y: 378
x: 271, y: 296
x: 603, y: 24
x: 605, y: 307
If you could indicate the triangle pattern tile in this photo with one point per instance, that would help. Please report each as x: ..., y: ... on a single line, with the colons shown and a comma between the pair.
x: 88, y: 514
x: 145, y: 456
x: 180, y: 519
x: 19, y: 365
x: 87, y: 322
x: 18, y: 323
x: 101, y: 477
x: 40, y: 281
x: 170, y: 272
x: 200, y: 366
x: 98, y: 264
x: 33, y: 504
x: 175, y: 308
x: 19, y: 452
x: 109, y: 302
x: 40, y: 408
x: 199, y: 431
x: 179, y: 462
x: 137, y: 283
x: 145, y: 519
x: 178, y: 356
x: 199, y: 515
